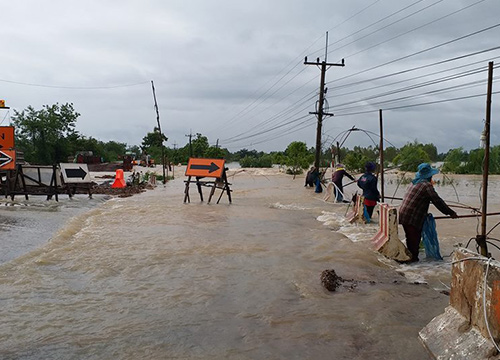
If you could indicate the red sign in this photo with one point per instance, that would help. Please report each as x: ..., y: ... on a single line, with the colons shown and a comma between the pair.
x: 205, y: 167
x: 7, y: 159
x: 6, y: 137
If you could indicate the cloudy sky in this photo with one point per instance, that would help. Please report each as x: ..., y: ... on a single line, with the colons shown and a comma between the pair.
x: 233, y: 70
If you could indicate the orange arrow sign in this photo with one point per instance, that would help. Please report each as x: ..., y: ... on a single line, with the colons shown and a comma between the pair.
x: 6, y: 137
x: 7, y: 159
x: 205, y: 167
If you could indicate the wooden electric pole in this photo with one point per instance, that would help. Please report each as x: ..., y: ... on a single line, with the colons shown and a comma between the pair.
x: 381, y: 154
x: 161, y: 134
x: 481, y: 239
x: 174, y: 159
x: 324, y: 66
x: 190, y: 135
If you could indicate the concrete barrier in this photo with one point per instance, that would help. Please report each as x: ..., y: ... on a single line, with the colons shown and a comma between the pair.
x: 357, y: 213
x: 386, y: 241
x: 466, y: 328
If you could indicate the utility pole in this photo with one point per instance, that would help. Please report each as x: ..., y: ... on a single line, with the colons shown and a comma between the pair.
x: 174, y: 159
x: 320, y: 111
x: 481, y: 239
x: 190, y: 135
x: 381, y: 154
x: 175, y: 151
x: 161, y: 134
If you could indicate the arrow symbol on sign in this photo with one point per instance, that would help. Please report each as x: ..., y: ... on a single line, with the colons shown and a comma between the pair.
x: 211, y: 168
x: 76, y: 173
x: 4, y: 159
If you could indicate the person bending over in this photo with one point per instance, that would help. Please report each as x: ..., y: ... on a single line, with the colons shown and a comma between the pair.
x: 337, y: 177
x: 415, y: 206
x: 368, y: 182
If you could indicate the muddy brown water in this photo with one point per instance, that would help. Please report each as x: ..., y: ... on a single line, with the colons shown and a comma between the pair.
x: 148, y: 277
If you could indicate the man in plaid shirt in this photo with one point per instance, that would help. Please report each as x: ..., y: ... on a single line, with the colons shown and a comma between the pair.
x: 415, y: 205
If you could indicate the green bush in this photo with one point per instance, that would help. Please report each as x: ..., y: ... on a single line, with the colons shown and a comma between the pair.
x: 264, y: 161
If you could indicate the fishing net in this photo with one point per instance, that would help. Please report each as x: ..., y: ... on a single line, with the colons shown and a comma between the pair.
x: 430, y: 238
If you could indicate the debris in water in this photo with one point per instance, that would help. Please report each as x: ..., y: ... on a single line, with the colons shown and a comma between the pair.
x: 330, y: 280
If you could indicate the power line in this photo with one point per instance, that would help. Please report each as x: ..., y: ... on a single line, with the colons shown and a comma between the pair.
x: 414, y: 29
x: 73, y: 87
x: 420, y: 52
x: 364, y: 89
x: 295, y: 128
x: 240, y: 137
x: 441, y: 62
x: 432, y: 92
x: 266, y: 131
x: 253, y: 103
x: 278, y: 101
x: 416, y: 105
x: 359, y: 12
x: 388, y: 25
x: 379, y: 103
x: 281, y: 114
x: 435, y: 81
x: 416, y: 86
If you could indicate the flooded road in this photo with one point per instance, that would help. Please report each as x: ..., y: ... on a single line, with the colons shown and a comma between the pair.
x: 148, y: 277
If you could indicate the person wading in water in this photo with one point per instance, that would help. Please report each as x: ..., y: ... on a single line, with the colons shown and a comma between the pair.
x: 415, y: 206
x: 368, y: 182
x: 337, y: 177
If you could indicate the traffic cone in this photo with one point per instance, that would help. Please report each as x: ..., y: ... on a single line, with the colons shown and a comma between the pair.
x: 119, y: 180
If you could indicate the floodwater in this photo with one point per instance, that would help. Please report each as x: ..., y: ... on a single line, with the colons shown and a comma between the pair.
x: 148, y: 277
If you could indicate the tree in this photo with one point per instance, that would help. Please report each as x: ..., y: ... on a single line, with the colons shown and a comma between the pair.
x: 410, y: 156
x: 113, y: 150
x: 200, y: 145
x: 355, y: 161
x: 152, y: 144
x: 44, y: 135
x: 298, y: 157
x: 431, y: 150
x: 216, y: 152
x: 153, y: 139
x: 453, y: 160
x: 390, y: 153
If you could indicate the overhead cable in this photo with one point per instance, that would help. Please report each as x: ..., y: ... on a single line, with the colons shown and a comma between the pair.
x: 73, y: 87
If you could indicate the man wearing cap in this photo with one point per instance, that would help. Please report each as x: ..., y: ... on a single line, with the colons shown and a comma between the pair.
x: 415, y: 205
x: 338, y: 175
x: 368, y: 182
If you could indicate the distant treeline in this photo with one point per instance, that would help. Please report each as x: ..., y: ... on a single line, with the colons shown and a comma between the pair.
x: 406, y: 158
x: 48, y: 136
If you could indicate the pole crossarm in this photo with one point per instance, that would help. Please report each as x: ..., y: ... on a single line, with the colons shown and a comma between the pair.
x: 342, y: 63
x: 320, y: 113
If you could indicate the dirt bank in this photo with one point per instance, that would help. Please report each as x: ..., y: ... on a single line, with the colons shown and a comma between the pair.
x: 127, y: 191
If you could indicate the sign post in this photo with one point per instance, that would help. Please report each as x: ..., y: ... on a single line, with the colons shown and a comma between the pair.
x: 211, y: 168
